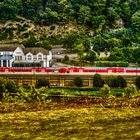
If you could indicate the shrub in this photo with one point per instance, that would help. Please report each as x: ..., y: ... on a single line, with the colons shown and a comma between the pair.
x: 2, y: 85
x: 42, y: 82
x: 66, y: 58
x: 78, y: 81
x: 130, y: 89
x: 98, y: 81
x: 111, y: 64
x: 105, y: 90
x: 121, y: 82
x: 138, y: 81
x: 11, y: 86
x: 112, y: 81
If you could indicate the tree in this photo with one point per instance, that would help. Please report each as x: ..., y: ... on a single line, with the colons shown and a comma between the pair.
x: 84, y: 14
x: 66, y: 58
x: 90, y: 56
x: 69, y: 41
x: 31, y: 42
x: 136, y: 20
x: 78, y: 81
x: 121, y: 82
x: 11, y: 86
x: 112, y: 82
x: 116, y: 55
x: 98, y: 81
x: 138, y: 81
x: 136, y: 55
x: 42, y: 82
x: 2, y: 85
x: 44, y: 44
x: 79, y: 49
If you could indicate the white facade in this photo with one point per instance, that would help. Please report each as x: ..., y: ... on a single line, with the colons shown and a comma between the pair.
x: 21, y: 57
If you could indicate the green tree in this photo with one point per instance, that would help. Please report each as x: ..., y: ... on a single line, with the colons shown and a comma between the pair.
x: 42, y: 82
x: 11, y: 86
x: 79, y: 49
x: 121, y: 82
x: 2, y: 85
x: 98, y: 81
x: 84, y: 14
x: 138, y: 81
x: 78, y: 81
x: 90, y: 56
x: 136, y: 20
x: 44, y: 44
x: 30, y: 42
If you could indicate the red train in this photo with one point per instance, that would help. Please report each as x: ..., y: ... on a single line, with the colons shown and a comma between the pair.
x: 72, y: 69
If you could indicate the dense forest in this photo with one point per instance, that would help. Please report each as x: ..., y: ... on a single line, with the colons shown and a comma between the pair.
x: 106, y: 25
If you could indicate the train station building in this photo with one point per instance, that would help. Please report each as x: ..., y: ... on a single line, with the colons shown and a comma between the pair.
x: 16, y: 55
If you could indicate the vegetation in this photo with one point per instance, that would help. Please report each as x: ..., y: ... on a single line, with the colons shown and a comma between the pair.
x: 138, y: 81
x: 98, y: 81
x: 78, y: 81
x: 8, y: 85
x: 42, y: 82
x: 72, y: 123
x: 81, y: 27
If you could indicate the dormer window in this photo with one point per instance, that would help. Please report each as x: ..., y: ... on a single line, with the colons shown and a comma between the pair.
x: 29, y: 57
x: 39, y: 57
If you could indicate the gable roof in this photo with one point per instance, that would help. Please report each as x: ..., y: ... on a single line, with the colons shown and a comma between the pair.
x: 35, y: 50
x: 12, y: 47
x: 9, y: 47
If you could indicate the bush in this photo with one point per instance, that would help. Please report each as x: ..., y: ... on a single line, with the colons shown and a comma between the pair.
x: 112, y: 81
x: 2, y: 85
x: 121, y: 82
x: 11, y: 86
x: 78, y: 81
x: 111, y: 64
x: 105, y: 90
x: 130, y: 89
x: 98, y: 81
x: 138, y: 81
x: 42, y: 82
x: 66, y: 58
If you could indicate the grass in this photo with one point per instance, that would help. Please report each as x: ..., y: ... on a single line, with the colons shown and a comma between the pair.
x: 83, y: 91
x: 74, y: 123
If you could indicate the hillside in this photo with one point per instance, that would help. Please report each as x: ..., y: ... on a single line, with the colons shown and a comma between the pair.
x: 103, y: 25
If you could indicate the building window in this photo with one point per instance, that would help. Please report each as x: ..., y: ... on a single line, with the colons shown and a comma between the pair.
x: 18, y: 58
x: 29, y: 57
x: 39, y: 57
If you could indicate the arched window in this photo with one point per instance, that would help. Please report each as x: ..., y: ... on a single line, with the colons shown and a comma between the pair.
x: 29, y: 57
x: 39, y: 57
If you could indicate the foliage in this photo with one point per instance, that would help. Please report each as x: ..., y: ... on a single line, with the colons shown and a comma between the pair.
x: 32, y: 96
x: 107, y: 25
x: 2, y: 85
x: 105, y: 90
x: 42, y: 82
x: 90, y: 56
x: 78, y: 81
x: 66, y: 58
x: 111, y: 64
x: 121, y: 81
x: 130, y: 90
x: 138, y: 81
x: 98, y: 81
x: 112, y: 81
x: 11, y: 86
